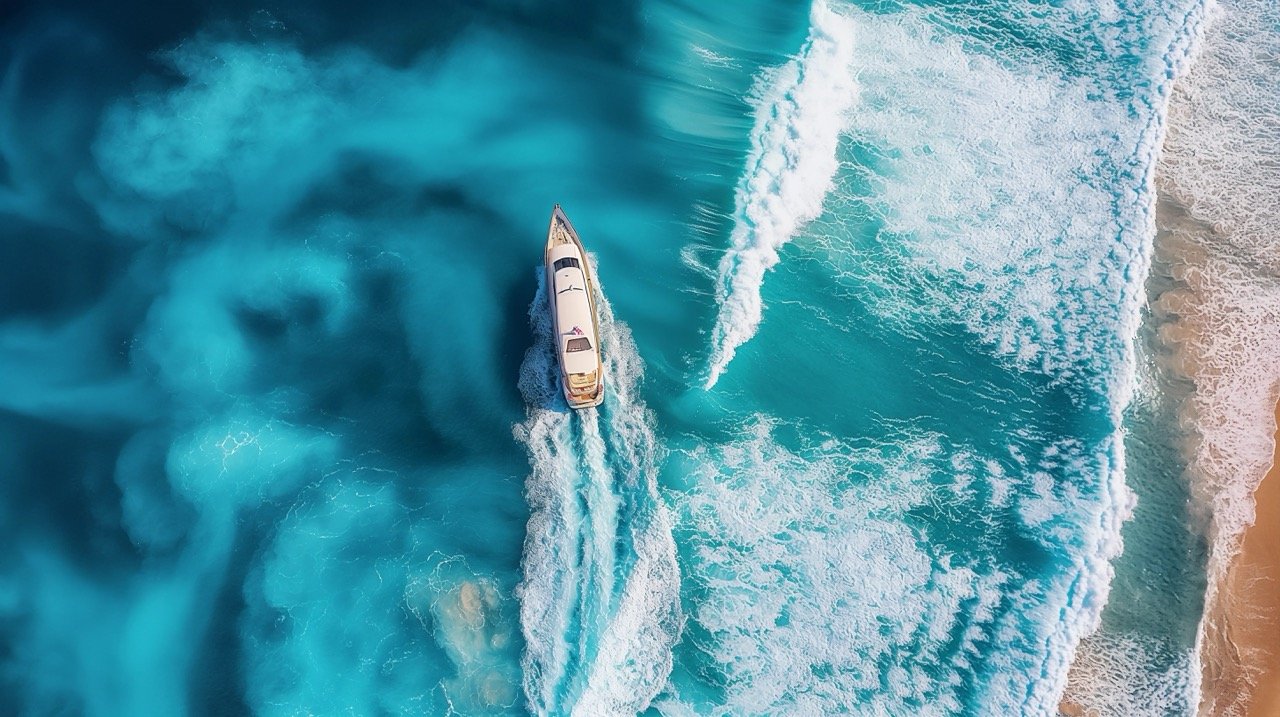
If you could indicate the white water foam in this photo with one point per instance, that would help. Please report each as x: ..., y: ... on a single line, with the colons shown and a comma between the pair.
x: 1218, y: 164
x: 599, y: 619
x: 1023, y: 211
x: 815, y: 586
x: 1014, y: 197
x: 1225, y: 118
x: 822, y: 589
x: 1113, y: 675
x: 800, y: 110
x: 1082, y: 522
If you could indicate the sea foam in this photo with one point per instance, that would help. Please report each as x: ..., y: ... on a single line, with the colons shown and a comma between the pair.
x: 1006, y: 193
x: 831, y: 573
x: 1223, y: 316
x: 800, y: 109
x: 1009, y: 191
x: 599, y: 603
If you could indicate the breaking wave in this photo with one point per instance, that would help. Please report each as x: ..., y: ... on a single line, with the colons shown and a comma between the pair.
x: 834, y: 572
x: 800, y: 110
x: 979, y: 178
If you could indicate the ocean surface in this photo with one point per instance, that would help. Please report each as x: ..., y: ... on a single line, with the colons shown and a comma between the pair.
x: 280, y: 427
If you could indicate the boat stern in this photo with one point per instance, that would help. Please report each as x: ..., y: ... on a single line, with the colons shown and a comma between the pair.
x: 584, y: 390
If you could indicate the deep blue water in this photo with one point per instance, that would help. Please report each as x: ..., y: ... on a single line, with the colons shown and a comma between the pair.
x: 280, y: 427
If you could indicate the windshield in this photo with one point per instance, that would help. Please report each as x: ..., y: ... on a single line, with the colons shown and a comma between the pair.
x: 578, y: 345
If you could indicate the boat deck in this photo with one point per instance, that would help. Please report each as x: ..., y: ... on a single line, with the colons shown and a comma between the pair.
x: 560, y: 235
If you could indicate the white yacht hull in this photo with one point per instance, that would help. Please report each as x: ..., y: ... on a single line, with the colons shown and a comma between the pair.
x: 571, y: 299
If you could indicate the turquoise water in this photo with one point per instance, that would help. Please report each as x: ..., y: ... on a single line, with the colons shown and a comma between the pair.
x: 281, y: 423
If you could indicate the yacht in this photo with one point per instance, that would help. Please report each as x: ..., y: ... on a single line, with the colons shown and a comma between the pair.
x: 571, y: 294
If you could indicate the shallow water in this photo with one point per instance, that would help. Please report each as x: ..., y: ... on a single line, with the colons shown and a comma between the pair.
x: 282, y: 427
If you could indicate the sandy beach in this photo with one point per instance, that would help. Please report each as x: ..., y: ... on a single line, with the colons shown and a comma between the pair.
x: 1248, y: 676
x: 1240, y: 652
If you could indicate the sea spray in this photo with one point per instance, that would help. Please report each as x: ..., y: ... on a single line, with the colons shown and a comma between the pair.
x: 600, y: 597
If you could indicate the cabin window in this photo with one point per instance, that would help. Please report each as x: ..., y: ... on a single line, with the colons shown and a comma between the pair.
x: 567, y: 263
x: 580, y: 344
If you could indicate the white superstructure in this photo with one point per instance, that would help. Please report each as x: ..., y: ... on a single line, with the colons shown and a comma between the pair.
x: 572, y: 300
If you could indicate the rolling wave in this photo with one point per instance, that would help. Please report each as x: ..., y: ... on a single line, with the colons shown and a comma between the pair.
x: 977, y: 177
x: 799, y: 112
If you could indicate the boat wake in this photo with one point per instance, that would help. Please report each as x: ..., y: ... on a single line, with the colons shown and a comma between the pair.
x: 599, y: 602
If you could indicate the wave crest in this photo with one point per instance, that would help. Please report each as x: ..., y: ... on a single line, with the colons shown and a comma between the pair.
x: 800, y: 110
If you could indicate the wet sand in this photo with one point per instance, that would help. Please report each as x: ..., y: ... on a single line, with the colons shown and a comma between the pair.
x: 1250, y: 609
x: 1241, y: 649
x: 1198, y: 325
x: 1071, y: 709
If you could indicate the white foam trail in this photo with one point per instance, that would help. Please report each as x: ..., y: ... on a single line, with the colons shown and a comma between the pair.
x: 648, y: 612
x: 799, y: 113
x: 604, y: 507
x: 599, y: 558
x: 551, y: 570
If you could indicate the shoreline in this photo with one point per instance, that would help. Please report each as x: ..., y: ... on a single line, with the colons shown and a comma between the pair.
x: 1248, y: 608
x: 1232, y: 456
x: 1215, y: 308
x: 1239, y: 649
